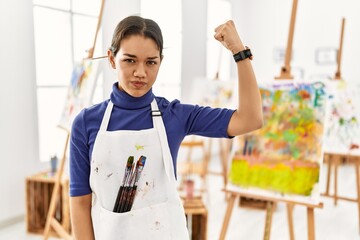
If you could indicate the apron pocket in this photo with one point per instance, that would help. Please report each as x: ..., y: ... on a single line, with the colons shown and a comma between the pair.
x: 152, y: 222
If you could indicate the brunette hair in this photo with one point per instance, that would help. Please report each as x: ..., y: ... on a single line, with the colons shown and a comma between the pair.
x: 135, y: 25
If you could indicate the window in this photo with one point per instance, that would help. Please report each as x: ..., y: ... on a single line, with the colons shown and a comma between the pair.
x: 168, y: 15
x: 64, y: 30
x: 219, y: 11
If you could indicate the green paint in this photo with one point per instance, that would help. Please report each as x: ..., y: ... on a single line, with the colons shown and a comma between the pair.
x: 341, y: 121
x: 290, y: 136
x: 273, y: 136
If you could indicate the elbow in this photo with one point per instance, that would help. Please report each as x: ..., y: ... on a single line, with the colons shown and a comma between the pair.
x: 243, y: 125
x: 257, y: 123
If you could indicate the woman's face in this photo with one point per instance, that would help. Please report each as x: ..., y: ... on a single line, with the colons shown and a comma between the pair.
x: 137, y: 64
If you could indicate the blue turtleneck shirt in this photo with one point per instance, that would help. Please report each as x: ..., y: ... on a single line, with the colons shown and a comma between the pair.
x: 134, y: 113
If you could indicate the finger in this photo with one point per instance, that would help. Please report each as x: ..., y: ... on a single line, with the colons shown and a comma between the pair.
x: 219, y: 27
x: 219, y: 36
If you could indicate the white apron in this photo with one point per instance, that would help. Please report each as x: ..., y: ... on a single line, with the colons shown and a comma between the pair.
x: 157, y: 212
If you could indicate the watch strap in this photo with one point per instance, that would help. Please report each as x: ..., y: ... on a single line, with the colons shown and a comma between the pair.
x: 242, y: 55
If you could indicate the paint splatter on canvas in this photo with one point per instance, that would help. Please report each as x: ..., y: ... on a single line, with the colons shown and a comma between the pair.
x: 342, y: 133
x: 80, y: 91
x: 284, y: 157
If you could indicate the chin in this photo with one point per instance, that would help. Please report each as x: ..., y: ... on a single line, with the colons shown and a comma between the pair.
x: 137, y: 93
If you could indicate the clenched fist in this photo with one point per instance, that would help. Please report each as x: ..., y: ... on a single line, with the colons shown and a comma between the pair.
x: 226, y: 34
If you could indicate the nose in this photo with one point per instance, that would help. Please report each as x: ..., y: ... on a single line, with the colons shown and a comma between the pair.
x: 140, y: 71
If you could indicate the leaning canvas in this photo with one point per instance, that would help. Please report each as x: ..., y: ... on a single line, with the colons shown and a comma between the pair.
x: 80, y: 91
x: 283, y: 159
x: 342, y: 133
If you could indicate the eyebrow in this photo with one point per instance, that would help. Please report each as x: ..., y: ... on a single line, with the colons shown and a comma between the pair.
x: 134, y: 56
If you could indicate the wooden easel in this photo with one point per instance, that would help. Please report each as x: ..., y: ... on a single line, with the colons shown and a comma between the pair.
x: 269, y: 212
x: 338, y: 59
x: 285, y: 74
x: 335, y: 159
x: 51, y: 221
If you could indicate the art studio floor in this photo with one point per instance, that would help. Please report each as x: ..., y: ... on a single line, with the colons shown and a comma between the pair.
x: 331, y: 222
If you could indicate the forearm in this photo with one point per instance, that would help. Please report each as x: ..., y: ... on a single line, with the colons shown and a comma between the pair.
x: 80, y: 208
x: 248, y: 116
x: 249, y: 99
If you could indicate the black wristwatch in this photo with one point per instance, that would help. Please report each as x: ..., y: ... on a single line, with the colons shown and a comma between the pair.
x: 242, y: 55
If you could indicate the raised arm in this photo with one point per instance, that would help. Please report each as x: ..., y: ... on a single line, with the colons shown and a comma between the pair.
x: 248, y: 116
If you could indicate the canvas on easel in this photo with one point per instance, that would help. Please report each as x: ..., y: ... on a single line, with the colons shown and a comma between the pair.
x: 343, y: 130
x: 343, y: 127
x: 80, y: 91
x: 343, y: 123
x: 283, y: 159
x: 287, y: 148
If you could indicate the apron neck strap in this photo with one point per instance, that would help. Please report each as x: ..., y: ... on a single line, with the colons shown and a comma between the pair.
x: 159, y: 125
x: 106, y: 118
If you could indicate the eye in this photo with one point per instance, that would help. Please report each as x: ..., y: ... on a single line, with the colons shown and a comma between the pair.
x: 129, y: 60
x: 151, y: 62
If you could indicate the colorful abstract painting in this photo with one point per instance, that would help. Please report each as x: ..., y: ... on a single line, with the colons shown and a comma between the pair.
x: 80, y: 91
x: 342, y: 133
x: 283, y: 159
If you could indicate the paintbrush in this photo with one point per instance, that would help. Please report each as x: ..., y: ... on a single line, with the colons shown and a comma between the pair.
x: 139, y: 167
x: 128, y: 169
x: 126, y: 192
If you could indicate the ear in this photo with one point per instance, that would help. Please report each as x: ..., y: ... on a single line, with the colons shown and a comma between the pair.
x: 111, y: 59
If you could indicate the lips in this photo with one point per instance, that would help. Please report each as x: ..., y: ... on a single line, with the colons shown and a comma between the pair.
x: 138, y: 84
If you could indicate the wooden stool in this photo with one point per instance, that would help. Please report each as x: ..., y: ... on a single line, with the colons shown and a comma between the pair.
x: 196, y: 215
x: 39, y: 189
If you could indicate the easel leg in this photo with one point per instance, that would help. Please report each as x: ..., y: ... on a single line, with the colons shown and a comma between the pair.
x: 52, y: 208
x: 336, y: 164
x: 311, y: 223
x: 357, y: 169
x: 328, y: 177
x: 268, y: 219
x: 225, y: 225
x: 290, y: 208
x: 54, y: 196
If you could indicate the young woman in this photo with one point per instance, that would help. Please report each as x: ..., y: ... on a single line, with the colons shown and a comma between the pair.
x: 135, y: 123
